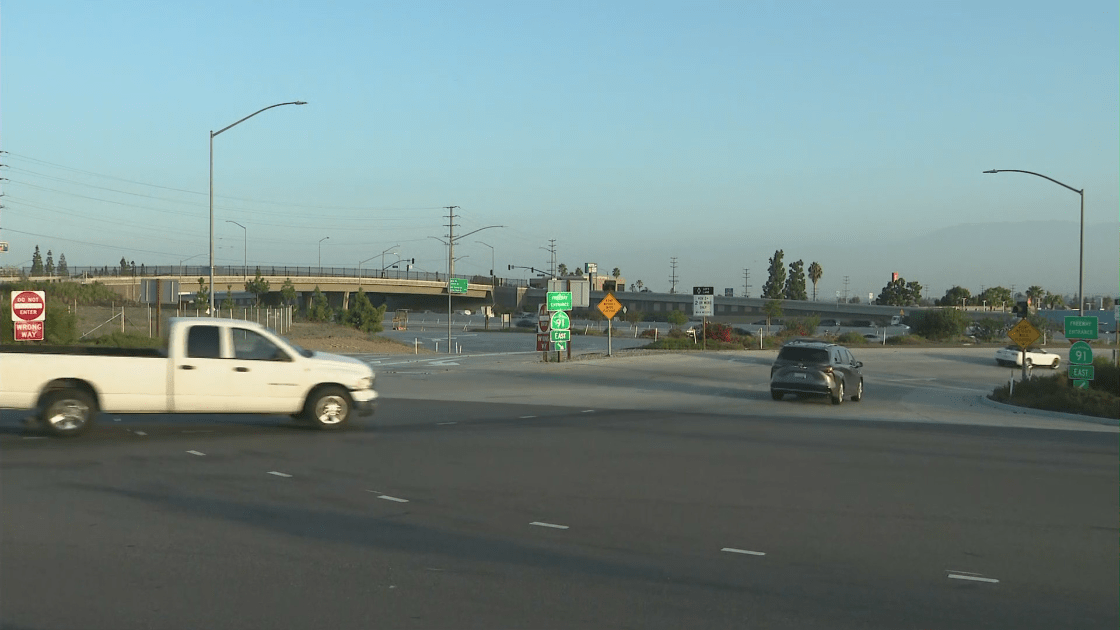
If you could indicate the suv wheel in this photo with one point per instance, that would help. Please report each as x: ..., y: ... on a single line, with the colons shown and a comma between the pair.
x: 776, y: 395
x: 838, y: 396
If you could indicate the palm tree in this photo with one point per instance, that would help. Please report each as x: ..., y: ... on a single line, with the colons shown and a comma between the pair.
x: 640, y: 285
x: 815, y: 273
x: 562, y: 269
x: 617, y: 272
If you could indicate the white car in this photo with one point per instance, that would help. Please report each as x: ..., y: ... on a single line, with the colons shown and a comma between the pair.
x: 1012, y: 355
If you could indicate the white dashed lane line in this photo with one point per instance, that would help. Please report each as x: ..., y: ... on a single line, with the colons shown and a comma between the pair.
x: 971, y: 577
x: 445, y: 423
x: 394, y: 499
x: 588, y: 411
x: 525, y: 417
x: 278, y: 474
x: 743, y: 551
x: 552, y: 525
x: 197, y: 453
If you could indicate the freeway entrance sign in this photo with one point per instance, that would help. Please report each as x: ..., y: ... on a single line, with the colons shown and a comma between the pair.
x: 458, y: 285
x: 559, y: 300
x: 1078, y: 327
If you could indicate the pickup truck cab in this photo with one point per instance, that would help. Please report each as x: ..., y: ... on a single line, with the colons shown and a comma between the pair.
x: 209, y: 365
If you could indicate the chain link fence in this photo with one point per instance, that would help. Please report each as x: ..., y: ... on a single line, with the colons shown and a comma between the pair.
x: 145, y: 321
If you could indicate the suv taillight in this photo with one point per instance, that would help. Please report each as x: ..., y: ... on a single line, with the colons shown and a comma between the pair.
x: 827, y: 370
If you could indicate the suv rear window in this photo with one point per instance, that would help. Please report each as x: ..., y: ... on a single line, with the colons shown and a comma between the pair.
x: 804, y: 355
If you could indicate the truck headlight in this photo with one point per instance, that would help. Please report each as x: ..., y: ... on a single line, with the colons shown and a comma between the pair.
x: 365, y: 383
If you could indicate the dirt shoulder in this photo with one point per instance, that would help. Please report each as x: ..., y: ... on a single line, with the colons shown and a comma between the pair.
x: 341, y: 339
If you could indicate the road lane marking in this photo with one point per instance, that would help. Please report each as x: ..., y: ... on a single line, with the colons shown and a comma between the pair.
x: 443, y: 423
x: 552, y: 525
x: 197, y: 431
x: 394, y: 499
x: 973, y: 578
x: 588, y: 411
x: 197, y: 453
x: 139, y: 433
x: 526, y: 417
x: 278, y: 474
x: 743, y: 551
x: 963, y: 572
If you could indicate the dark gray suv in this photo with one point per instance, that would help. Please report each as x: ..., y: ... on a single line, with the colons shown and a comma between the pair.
x: 816, y: 368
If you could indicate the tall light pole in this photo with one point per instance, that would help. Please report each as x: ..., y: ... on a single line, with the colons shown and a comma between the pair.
x: 212, y: 134
x: 321, y: 254
x: 493, y: 282
x: 244, y: 250
x: 186, y: 260
x: 360, y: 263
x: 383, y: 257
x: 450, y: 242
x: 1081, y: 257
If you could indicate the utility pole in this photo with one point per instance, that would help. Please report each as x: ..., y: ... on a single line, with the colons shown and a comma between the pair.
x: 746, y: 283
x: 450, y: 267
x: 552, y: 257
x: 673, y: 274
x: 845, y: 288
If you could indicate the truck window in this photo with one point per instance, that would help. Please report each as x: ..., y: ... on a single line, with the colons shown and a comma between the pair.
x: 252, y: 346
x: 202, y: 343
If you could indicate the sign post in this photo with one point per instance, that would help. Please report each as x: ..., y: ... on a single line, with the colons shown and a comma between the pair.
x: 703, y: 299
x: 29, y: 311
x: 1024, y: 334
x: 609, y: 307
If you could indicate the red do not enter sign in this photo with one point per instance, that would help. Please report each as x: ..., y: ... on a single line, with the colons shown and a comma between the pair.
x: 29, y: 306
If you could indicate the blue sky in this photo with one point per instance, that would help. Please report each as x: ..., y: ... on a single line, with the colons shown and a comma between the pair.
x: 851, y: 134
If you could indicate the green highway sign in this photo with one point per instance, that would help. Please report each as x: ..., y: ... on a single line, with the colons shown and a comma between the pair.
x: 560, y: 321
x: 1081, y: 353
x: 1081, y: 372
x: 560, y: 346
x: 559, y: 300
x: 560, y: 335
x: 1081, y: 384
x: 1078, y: 327
x: 458, y: 285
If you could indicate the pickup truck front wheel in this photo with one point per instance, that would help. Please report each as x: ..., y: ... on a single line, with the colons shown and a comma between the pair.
x: 328, y: 408
x: 68, y: 412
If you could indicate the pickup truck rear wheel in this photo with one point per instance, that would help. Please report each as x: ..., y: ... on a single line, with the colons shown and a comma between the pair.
x: 68, y: 412
x: 328, y: 408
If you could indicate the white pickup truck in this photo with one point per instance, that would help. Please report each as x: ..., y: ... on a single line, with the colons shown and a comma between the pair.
x: 209, y: 365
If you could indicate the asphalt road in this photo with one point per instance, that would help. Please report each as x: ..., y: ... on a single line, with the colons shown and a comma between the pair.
x: 610, y: 496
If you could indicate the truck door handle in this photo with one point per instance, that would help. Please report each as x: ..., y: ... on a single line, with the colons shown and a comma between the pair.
x: 186, y: 367
x: 240, y: 369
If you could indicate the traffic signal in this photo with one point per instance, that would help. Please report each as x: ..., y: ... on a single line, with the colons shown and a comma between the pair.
x: 1021, y: 308
x: 511, y: 267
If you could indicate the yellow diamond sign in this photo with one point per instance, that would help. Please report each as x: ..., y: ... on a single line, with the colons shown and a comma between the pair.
x: 1024, y: 333
x: 609, y: 306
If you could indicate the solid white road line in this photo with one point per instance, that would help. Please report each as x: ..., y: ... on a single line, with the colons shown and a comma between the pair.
x: 395, y: 499
x: 197, y: 453
x: 745, y: 551
x: 552, y: 525
x: 525, y: 417
x: 445, y: 423
x: 278, y: 474
x: 973, y: 578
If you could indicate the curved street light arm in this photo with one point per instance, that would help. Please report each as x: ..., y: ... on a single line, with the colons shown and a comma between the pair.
x: 214, y: 133
x: 1011, y: 170
x: 478, y: 230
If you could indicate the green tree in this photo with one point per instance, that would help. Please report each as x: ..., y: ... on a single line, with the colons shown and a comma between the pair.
x: 562, y: 269
x: 634, y: 316
x: 1053, y: 301
x: 579, y: 272
x: 616, y: 272
x: 854, y: 300
x: 319, y: 310
x: 993, y: 297
x: 939, y: 324
x: 815, y: 274
x: 202, y: 296
x: 898, y: 292
x: 954, y: 296
x: 258, y: 286
x: 63, y: 270
x: 37, y: 263
x: 363, y: 315
x: 773, y: 310
x: 288, y: 292
x: 1035, y: 293
x: 227, y: 303
x: 795, y: 284
x: 49, y: 267
x: 774, y: 287
x: 124, y: 267
x: 677, y: 318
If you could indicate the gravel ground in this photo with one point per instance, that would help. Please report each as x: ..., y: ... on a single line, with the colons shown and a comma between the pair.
x: 341, y: 340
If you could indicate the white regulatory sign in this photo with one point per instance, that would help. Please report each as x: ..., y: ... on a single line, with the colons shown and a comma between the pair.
x: 703, y: 305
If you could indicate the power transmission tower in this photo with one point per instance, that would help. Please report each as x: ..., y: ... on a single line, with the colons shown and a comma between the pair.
x: 673, y: 275
x: 451, y: 240
x: 845, y: 288
x: 552, y: 257
x: 746, y: 283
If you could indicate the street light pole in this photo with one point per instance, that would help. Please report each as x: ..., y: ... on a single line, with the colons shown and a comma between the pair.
x: 1081, y: 257
x: 213, y: 133
x: 321, y: 254
x: 244, y: 250
x: 493, y: 283
x: 450, y: 242
x: 383, y: 257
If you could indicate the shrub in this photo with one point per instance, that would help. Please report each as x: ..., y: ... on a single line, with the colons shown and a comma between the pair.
x: 939, y: 324
x: 363, y: 315
x: 851, y: 339
x: 1055, y: 392
x: 715, y: 331
x: 905, y: 340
